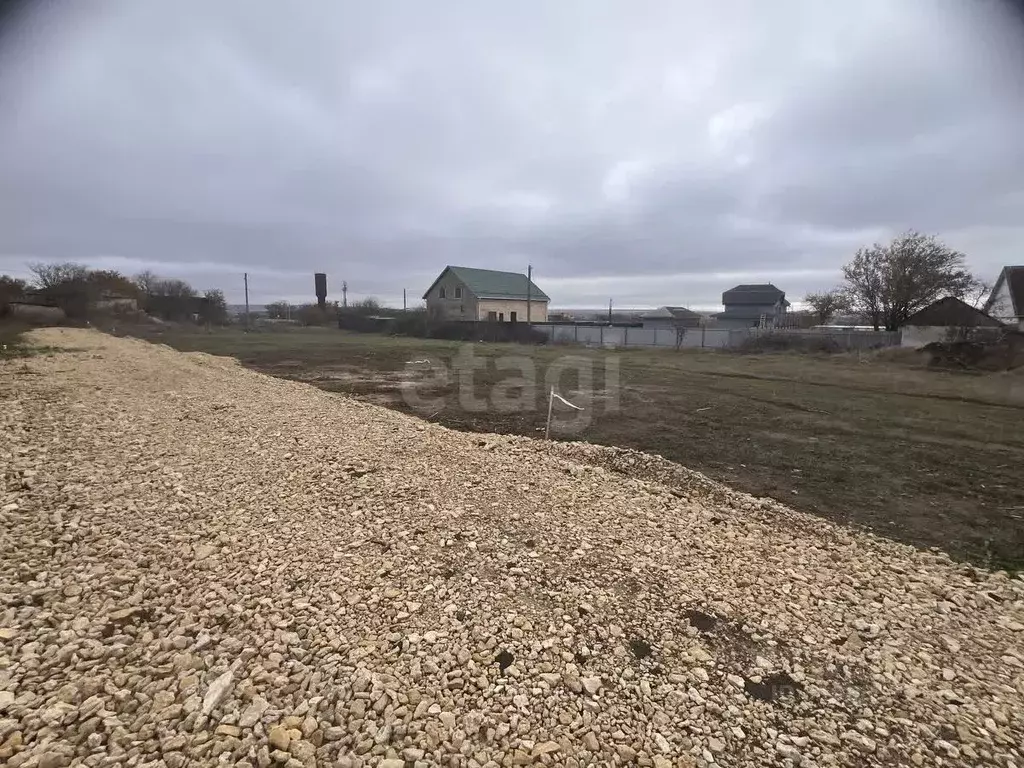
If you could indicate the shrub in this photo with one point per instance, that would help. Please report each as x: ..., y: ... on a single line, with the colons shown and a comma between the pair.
x: 1001, y: 354
x: 11, y: 289
x: 312, y: 314
x: 412, y: 323
x: 783, y: 342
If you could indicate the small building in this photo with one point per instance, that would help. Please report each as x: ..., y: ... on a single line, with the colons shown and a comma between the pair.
x: 1006, y: 303
x: 671, y: 317
x: 469, y: 294
x: 948, y: 319
x: 750, y: 306
x: 35, y: 313
x: 115, y: 302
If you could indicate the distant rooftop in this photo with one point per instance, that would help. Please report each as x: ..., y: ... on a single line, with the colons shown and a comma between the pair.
x: 672, y: 313
x: 951, y: 311
x: 763, y: 293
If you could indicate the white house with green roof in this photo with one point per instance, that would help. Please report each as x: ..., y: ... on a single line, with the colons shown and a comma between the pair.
x: 469, y: 294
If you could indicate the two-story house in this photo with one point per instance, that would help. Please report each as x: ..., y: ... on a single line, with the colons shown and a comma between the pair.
x: 748, y: 306
x: 469, y: 294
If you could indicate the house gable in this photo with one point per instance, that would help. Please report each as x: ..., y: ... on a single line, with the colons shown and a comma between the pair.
x: 1007, y: 298
x: 453, y: 278
x: 671, y: 313
x: 671, y: 317
x: 951, y: 312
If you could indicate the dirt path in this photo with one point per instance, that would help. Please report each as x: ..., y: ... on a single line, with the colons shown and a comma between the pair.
x: 204, y: 564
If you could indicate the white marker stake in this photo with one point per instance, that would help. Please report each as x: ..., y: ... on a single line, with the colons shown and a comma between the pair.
x: 551, y: 402
x: 562, y: 399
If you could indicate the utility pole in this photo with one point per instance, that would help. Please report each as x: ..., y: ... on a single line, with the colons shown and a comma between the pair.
x: 529, y: 286
x: 609, y: 311
x: 344, y: 293
x: 245, y: 277
x: 404, y: 305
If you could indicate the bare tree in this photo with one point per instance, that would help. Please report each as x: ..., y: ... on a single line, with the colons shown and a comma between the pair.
x: 978, y: 294
x: 278, y: 310
x: 828, y: 304
x: 864, y: 285
x: 152, y: 285
x: 367, y: 306
x: 146, y: 281
x: 106, y: 281
x: 170, y: 299
x: 214, y: 307
x: 52, y: 275
x: 173, y: 287
x: 888, y: 283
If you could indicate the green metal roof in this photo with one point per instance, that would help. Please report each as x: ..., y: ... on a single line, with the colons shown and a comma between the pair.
x: 492, y: 284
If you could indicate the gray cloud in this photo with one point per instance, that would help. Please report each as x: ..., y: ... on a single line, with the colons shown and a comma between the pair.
x: 652, y: 151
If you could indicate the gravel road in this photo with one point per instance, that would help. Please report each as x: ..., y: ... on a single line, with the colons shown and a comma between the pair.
x: 203, y: 565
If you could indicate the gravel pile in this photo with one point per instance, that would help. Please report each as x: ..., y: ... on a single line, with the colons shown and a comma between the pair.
x: 202, y: 565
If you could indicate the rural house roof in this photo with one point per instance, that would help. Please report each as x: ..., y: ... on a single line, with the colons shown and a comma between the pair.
x: 671, y: 313
x: 951, y: 312
x: 492, y: 284
x: 764, y: 293
x: 1013, y: 277
x: 742, y: 313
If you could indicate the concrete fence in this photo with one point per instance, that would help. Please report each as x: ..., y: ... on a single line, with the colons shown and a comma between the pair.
x: 706, y: 338
x: 846, y: 339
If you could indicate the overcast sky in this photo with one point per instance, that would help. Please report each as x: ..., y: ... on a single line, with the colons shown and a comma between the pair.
x: 654, y: 152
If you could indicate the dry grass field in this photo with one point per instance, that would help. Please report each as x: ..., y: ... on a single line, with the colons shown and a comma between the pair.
x: 876, y: 440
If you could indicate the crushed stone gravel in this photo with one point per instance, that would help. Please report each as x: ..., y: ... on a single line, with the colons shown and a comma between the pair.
x: 202, y: 565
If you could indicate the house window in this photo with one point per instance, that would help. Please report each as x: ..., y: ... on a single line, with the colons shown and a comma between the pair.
x: 492, y: 316
x: 512, y: 316
x: 462, y: 310
x: 501, y: 317
x: 440, y: 292
x: 458, y: 292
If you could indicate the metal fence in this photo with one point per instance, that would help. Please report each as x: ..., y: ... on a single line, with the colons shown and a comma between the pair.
x: 707, y: 338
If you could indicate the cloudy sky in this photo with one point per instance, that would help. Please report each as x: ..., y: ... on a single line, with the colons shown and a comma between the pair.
x: 651, y: 151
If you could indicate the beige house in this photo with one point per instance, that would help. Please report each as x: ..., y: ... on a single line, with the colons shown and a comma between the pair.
x: 468, y: 294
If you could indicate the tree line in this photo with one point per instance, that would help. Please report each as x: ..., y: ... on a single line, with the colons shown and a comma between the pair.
x: 80, y: 291
x: 883, y: 285
x: 314, y: 314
